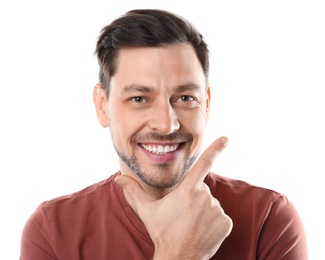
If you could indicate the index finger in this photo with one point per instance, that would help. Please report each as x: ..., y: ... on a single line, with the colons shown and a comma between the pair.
x: 202, y: 167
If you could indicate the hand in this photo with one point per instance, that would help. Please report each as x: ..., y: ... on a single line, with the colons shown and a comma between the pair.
x: 189, y: 222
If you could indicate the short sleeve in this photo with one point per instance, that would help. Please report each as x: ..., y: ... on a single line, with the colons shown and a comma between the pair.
x: 36, y: 237
x: 283, y: 235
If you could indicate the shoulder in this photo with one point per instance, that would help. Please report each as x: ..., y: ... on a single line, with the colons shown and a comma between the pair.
x: 265, y: 221
x: 58, y: 221
x: 88, y: 199
x: 220, y: 185
x: 88, y: 193
x: 240, y: 198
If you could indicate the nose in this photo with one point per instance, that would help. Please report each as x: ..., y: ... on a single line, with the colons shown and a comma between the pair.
x: 163, y: 119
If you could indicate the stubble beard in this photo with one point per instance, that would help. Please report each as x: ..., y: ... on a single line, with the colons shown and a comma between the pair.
x: 161, y: 178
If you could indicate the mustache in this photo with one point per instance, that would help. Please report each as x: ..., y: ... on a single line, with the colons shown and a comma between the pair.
x: 176, y: 137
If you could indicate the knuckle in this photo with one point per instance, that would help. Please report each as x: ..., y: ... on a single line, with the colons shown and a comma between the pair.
x: 218, y: 149
x: 227, y: 224
x: 131, y: 192
x: 206, y: 163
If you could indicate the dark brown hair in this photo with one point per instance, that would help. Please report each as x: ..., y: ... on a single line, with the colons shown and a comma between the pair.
x: 146, y: 28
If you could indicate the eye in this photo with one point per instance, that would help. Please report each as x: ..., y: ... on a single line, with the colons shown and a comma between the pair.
x: 185, y: 98
x: 138, y: 99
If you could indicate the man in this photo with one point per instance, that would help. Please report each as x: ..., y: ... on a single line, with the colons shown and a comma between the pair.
x: 163, y: 203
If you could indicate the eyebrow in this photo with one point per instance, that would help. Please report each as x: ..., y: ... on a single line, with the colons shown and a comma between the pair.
x: 136, y: 88
x: 190, y: 86
x: 133, y: 88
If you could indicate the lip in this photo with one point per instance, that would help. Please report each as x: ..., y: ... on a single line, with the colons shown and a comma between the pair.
x: 162, y: 157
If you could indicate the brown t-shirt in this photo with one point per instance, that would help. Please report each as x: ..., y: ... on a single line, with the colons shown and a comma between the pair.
x: 97, y: 223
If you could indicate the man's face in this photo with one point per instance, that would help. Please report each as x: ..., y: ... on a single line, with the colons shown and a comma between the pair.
x: 157, y: 110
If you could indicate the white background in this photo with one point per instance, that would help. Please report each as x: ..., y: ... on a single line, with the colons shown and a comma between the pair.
x: 267, y: 78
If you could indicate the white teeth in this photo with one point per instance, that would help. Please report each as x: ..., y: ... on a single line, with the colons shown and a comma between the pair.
x: 160, y: 149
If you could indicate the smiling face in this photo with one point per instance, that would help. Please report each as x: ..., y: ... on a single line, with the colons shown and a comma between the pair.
x: 156, y: 110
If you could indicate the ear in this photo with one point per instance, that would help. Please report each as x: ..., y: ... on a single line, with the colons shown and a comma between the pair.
x: 208, y: 99
x: 100, y: 101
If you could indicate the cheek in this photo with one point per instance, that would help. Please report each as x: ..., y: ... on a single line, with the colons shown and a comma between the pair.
x: 194, y: 121
x: 195, y: 127
x: 123, y: 127
x: 194, y: 124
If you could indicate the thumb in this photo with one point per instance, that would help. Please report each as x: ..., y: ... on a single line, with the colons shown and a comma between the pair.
x: 137, y: 197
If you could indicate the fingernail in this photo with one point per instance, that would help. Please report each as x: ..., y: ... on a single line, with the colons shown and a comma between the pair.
x: 119, y: 181
x: 224, y: 141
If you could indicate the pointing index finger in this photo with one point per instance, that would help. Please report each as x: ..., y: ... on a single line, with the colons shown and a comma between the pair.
x: 202, y: 167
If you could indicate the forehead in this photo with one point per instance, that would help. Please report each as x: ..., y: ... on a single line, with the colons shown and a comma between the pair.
x: 168, y: 65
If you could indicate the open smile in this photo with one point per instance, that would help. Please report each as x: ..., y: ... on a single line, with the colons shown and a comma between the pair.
x: 162, y: 152
x: 160, y: 149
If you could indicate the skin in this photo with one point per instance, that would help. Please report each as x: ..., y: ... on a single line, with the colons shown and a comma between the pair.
x: 158, y: 97
x: 159, y: 101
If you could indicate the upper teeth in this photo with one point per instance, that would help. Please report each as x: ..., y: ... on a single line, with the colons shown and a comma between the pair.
x: 159, y: 149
